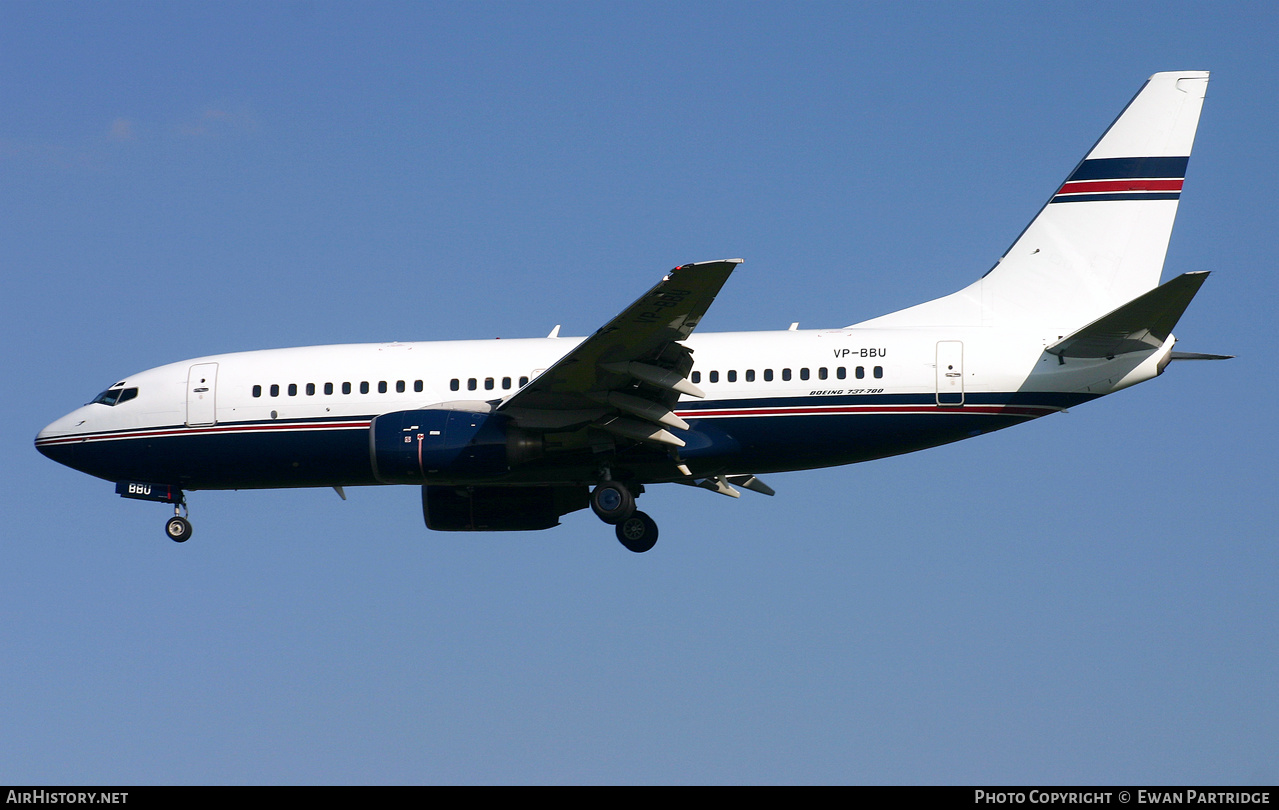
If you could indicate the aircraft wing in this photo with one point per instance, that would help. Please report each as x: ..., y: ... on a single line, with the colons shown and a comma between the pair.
x: 627, y: 376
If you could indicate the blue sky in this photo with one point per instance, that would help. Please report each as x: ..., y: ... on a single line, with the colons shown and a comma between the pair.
x: 1087, y: 599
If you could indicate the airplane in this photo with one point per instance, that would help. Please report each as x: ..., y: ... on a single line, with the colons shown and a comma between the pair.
x: 511, y: 435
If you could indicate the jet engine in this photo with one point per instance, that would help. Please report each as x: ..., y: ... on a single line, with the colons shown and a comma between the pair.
x: 499, y: 509
x: 412, y: 447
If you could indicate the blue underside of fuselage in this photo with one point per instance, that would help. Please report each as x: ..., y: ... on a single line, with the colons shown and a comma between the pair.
x: 742, y: 436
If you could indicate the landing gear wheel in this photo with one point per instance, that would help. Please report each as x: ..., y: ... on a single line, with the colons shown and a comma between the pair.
x: 638, y: 533
x: 612, y: 502
x: 179, y: 529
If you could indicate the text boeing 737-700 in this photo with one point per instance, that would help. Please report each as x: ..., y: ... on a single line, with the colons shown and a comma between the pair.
x: 513, y: 434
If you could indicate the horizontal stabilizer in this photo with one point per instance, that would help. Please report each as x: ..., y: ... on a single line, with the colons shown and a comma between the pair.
x: 1199, y: 356
x: 1142, y: 324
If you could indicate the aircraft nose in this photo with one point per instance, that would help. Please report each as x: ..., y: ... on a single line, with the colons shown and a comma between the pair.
x: 57, y: 440
x: 55, y: 452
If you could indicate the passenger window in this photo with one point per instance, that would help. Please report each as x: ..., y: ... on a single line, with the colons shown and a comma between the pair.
x: 257, y: 390
x: 786, y: 374
x: 417, y: 385
x: 472, y: 384
x: 488, y: 383
x: 750, y: 375
x: 523, y: 381
x: 328, y: 389
x: 293, y: 389
x: 803, y: 374
x: 506, y: 383
x: 768, y: 375
x: 310, y: 389
x: 713, y: 376
x: 275, y: 390
x: 879, y: 372
x: 346, y: 388
x: 399, y: 386
x: 455, y: 384
x: 861, y: 372
x: 732, y: 375
x: 841, y: 372
x: 821, y: 373
x: 364, y: 387
x: 697, y: 377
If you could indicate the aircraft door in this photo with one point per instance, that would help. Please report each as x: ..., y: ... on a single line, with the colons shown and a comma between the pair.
x: 950, y: 372
x: 202, y: 384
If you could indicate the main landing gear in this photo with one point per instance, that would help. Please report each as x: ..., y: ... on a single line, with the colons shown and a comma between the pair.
x: 638, y: 532
x: 613, y: 503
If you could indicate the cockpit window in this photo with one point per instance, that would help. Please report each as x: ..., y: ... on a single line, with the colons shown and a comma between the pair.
x: 115, y: 395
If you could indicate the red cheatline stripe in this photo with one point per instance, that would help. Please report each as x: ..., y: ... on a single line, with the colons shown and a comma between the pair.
x: 1131, y: 184
x: 204, y: 431
x: 1010, y: 410
x: 870, y: 409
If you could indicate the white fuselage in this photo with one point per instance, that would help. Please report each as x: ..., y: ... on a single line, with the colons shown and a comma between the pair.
x: 825, y: 396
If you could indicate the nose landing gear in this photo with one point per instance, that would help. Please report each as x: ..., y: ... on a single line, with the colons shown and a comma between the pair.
x: 176, y: 528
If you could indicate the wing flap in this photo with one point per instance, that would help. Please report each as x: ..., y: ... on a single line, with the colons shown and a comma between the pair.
x: 724, y: 484
x: 660, y: 377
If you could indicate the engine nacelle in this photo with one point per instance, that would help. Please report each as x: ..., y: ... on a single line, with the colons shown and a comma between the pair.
x: 411, y: 447
x: 498, y: 509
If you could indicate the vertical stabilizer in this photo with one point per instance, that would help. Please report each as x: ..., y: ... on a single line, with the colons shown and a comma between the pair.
x: 1101, y: 238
